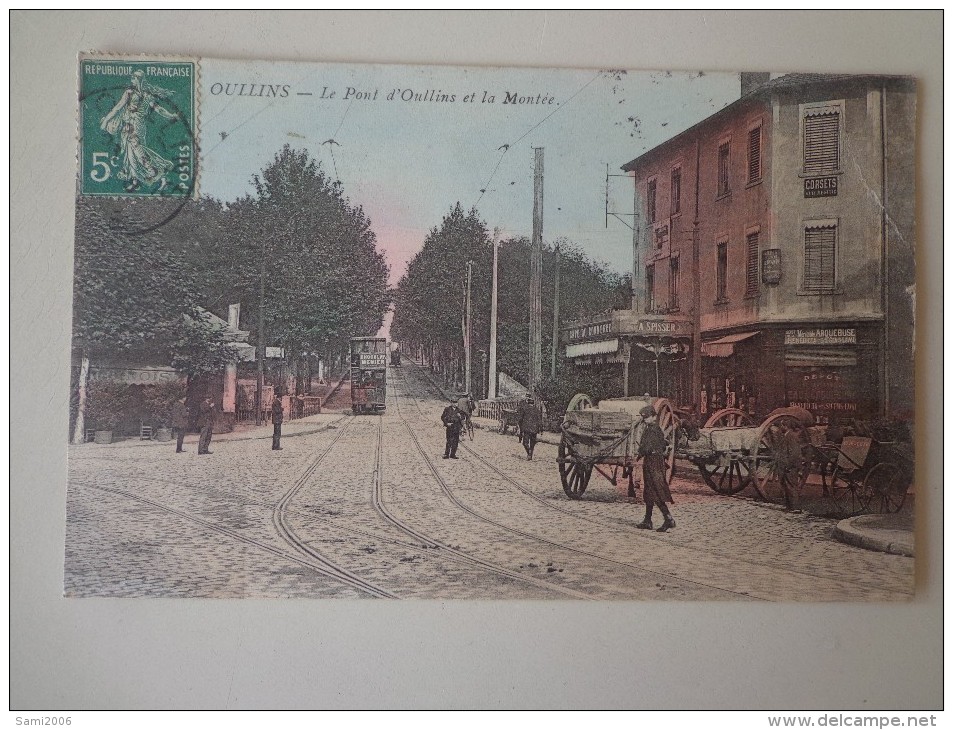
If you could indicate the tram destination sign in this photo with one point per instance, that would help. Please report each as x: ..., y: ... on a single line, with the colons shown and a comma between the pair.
x: 373, y: 360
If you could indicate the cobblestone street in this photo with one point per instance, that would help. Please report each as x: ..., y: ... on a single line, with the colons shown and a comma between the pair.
x: 365, y: 507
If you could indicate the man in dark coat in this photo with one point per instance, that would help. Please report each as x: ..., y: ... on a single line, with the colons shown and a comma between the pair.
x: 655, y: 489
x: 453, y: 419
x: 531, y: 420
x: 277, y: 418
x: 180, y: 422
x: 207, y: 420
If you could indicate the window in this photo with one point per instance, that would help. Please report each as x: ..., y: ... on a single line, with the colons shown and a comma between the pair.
x: 650, y: 288
x: 650, y: 195
x: 822, y: 140
x: 820, y: 245
x: 751, y: 265
x: 676, y: 190
x: 673, y: 283
x: 754, y: 155
x: 721, y: 273
x: 724, y: 159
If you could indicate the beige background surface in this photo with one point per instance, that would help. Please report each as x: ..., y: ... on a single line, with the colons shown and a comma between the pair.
x: 112, y: 654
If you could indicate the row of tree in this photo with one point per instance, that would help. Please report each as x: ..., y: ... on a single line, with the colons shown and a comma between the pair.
x: 297, y: 254
x: 430, y: 299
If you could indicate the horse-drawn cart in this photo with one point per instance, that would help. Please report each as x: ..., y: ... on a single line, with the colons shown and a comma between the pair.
x: 606, y: 438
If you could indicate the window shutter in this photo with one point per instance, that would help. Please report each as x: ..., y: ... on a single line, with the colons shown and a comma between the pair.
x: 751, y: 270
x: 821, y: 143
x: 819, y: 246
x: 724, y: 156
x: 754, y: 155
x: 650, y: 194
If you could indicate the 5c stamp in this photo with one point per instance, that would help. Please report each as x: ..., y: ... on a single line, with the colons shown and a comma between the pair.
x: 137, y: 122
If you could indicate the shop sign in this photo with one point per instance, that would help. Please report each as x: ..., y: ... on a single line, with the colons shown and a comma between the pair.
x: 137, y: 376
x: 657, y: 327
x: 771, y: 266
x: 584, y: 332
x: 844, y: 336
x: 820, y: 187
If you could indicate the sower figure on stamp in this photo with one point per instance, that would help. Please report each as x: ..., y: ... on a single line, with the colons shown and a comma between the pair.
x: 207, y: 419
x: 180, y: 422
x: 655, y: 489
x: 452, y: 418
x: 277, y: 418
x: 531, y: 419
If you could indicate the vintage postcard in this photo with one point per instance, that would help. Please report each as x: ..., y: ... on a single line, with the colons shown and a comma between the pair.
x: 364, y: 331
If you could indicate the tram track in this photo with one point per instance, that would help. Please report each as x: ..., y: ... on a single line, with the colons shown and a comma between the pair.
x: 489, y: 465
x: 448, y: 492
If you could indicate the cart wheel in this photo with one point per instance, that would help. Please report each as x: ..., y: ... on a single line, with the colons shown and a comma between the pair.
x: 728, y: 478
x: 848, y: 495
x: 580, y: 402
x: 884, y: 488
x: 730, y: 417
x: 668, y: 422
x: 763, y: 453
x: 574, y: 474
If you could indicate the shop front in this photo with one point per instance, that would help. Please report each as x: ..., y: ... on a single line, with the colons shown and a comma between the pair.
x: 640, y: 353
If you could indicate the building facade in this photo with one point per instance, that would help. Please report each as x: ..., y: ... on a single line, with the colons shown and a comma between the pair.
x: 782, y: 230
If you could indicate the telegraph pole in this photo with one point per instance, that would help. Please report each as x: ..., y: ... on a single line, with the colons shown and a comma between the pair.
x: 552, y: 367
x: 260, y: 352
x: 536, y: 270
x: 491, y: 382
x: 466, y: 331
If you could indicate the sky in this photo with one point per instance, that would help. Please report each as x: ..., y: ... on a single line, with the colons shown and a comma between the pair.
x: 408, y: 160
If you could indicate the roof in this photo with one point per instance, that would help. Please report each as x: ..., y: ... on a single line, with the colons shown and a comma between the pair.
x: 781, y: 83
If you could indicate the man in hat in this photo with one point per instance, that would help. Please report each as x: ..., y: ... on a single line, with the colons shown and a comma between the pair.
x: 180, y: 422
x: 453, y: 419
x: 530, y: 420
x: 207, y: 420
x: 655, y: 489
x: 277, y: 418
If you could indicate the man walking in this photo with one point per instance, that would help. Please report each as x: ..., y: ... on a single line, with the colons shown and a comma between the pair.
x: 655, y: 489
x: 277, y: 418
x: 452, y: 418
x: 207, y: 419
x: 531, y: 419
x: 180, y: 422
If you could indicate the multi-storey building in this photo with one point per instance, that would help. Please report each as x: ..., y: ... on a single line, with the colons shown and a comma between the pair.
x: 774, y: 251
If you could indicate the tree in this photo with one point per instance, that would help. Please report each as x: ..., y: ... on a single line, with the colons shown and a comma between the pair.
x: 134, y: 295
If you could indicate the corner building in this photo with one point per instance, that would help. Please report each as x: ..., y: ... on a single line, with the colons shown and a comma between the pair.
x: 781, y: 229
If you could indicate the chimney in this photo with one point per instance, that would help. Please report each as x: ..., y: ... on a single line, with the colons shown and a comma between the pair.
x: 751, y: 81
x: 234, y: 311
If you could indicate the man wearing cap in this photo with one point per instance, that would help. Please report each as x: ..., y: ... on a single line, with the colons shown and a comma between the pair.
x: 655, y: 489
x: 530, y: 420
x: 452, y: 418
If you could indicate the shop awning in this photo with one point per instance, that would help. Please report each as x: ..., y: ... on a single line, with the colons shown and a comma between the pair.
x: 602, y: 347
x: 725, y: 347
x: 809, y: 357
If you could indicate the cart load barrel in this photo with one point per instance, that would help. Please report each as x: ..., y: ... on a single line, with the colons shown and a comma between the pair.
x: 606, y: 438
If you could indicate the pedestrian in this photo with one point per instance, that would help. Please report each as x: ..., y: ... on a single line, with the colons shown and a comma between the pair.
x: 655, y: 491
x: 277, y: 418
x: 207, y: 420
x: 790, y: 463
x: 452, y: 418
x: 531, y: 419
x: 180, y: 422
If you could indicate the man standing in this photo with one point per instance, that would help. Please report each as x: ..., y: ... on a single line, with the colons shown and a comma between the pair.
x: 452, y: 418
x: 180, y: 422
x: 652, y: 447
x: 277, y: 418
x: 531, y: 419
x: 790, y: 463
x: 207, y: 419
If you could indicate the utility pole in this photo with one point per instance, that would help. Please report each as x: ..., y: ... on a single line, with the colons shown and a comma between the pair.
x: 536, y: 270
x: 552, y: 367
x: 466, y: 331
x: 260, y: 352
x: 491, y: 381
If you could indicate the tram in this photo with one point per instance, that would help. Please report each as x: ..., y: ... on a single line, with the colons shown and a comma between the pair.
x: 368, y: 356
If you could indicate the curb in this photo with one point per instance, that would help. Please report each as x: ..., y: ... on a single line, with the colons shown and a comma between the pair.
x: 860, y: 532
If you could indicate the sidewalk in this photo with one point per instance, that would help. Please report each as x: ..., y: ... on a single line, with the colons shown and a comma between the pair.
x: 885, y: 533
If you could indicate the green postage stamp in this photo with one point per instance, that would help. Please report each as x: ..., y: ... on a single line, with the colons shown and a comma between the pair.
x: 137, y: 127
